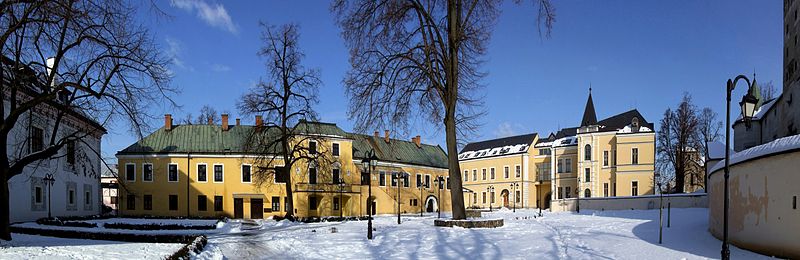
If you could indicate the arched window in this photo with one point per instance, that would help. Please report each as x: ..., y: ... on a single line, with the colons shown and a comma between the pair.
x: 587, y: 153
x: 635, y: 122
x: 587, y: 193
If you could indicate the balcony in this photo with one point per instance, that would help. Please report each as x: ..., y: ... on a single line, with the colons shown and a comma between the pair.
x: 327, y: 187
x: 542, y: 177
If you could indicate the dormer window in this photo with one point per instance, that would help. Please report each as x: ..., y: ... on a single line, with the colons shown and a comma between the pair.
x: 635, y: 122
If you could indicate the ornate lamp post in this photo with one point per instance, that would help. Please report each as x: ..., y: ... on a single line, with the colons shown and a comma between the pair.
x: 420, y: 187
x: 578, y: 197
x: 748, y: 105
x: 490, y: 190
x: 438, y: 182
x: 369, y: 164
x: 660, y: 206
x: 514, y: 187
x: 341, y: 202
x: 400, y: 176
x: 49, y: 181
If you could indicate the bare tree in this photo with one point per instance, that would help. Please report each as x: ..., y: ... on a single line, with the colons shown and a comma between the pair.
x: 285, y: 99
x: 709, y: 130
x: 208, y: 115
x: 66, y: 60
x: 768, y: 91
x: 420, y: 58
x: 678, y: 140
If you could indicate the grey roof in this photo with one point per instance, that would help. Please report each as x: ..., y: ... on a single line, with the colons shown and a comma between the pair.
x: 500, y: 142
x: 589, y: 116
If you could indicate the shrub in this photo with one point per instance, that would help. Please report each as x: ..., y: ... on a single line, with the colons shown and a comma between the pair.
x: 59, y: 222
x: 148, y: 238
x: 196, y: 246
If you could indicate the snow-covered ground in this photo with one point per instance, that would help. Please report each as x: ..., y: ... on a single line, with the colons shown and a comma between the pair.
x: 630, y: 234
x: 50, y: 248
x: 221, y: 226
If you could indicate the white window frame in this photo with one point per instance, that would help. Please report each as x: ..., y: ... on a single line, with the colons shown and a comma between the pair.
x: 428, y: 181
x: 152, y: 172
x: 126, y: 172
x: 637, y: 155
x: 421, y: 180
x: 340, y: 149
x: 637, y: 188
x: 606, y: 158
x: 197, y: 172
x: 492, y: 173
x: 483, y: 174
x: 241, y: 173
x: 474, y: 174
x: 466, y: 175
x: 214, y: 173
x: 177, y: 172
x: 568, y: 165
x: 506, y: 171
x: 516, y: 172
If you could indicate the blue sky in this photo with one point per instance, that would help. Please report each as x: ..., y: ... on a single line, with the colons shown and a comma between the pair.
x: 636, y: 54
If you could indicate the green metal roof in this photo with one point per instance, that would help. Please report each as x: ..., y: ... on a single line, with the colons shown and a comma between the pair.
x: 210, y: 139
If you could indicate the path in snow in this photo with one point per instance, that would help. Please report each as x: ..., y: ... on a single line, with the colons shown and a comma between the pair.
x: 590, y: 235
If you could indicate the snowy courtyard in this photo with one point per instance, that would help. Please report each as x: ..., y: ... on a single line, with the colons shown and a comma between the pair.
x: 629, y: 234
x: 50, y: 248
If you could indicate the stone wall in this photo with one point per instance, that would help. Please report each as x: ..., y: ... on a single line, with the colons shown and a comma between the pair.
x: 692, y: 200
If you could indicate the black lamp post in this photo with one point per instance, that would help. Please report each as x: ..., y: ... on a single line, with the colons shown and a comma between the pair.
x: 748, y: 105
x: 341, y: 202
x: 660, y: 206
x: 438, y: 182
x: 578, y: 197
x: 49, y: 181
x: 369, y: 164
x: 514, y: 187
x: 420, y: 187
x: 399, y: 176
x: 490, y: 190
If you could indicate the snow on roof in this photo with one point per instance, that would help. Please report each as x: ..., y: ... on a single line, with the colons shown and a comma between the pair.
x: 761, y: 111
x: 495, y: 151
x: 627, y: 129
x: 776, y: 146
x: 566, y: 141
x: 716, y: 150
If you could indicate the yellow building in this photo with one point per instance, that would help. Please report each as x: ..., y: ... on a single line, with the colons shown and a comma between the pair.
x: 611, y: 157
x: 208, y: 170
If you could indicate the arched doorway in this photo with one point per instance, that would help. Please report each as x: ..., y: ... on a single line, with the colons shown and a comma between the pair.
x: 587, y: 193
x: 431, y: 204
x: 504, y: 194
x: 547, y: 199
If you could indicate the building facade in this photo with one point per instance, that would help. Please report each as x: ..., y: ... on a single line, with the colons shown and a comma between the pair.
x: 208, y: 170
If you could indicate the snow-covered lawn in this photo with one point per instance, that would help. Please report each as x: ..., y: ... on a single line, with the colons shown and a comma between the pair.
x: 50, y: 248
x: 631, y: 234
x: 221, y: 226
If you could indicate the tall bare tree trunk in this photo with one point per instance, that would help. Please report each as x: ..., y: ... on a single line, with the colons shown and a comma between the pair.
x: 451, y: 99
x: 5, y: 218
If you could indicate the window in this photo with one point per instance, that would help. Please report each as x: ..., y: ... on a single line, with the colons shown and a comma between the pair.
x: 173, y: 202
x: 474, y: 175
x: 312, y: 175
x: 131, y: 202
x: 148, y: 202
x: 147, y: 172
x: 335, y: 148
x: 406, y: 180
x: 419, y: 180
x: 634, y: 155
x: 280, y: 174
x: 560, y: 193
x: 37, y: 139
x: 71, y: 199
x: 312, y: 147
x: 285, y: 203
x: 448, y: 183
x: 614, y: 158
x: 201, y: 173
x: 605, y: 158
x: 587, y: 175
x: 246, y: 175
x: 172, y: 172
x: 218, y: 173
x: 544, y: 151
x: 427, y: 181
x: 484, y: 197
x: 335, y: 203
x: 560, y: 166
x: 587, y: 153
x: 276, y: 204
x: 483, y: 172
x: 71, y: 152
x: 568, y: 192
x: 517, y: 197
x: 202, y: 204
x: 87, y: 198
x: 394, y: 179
x: 466, y: 175
x: 518, y: 170
x: 130, y: 172
x: 634, y: 188
x: 336, y: 177
x: 37, y: 194
x: 491, y: 197
x: 568, y: 165
x: 382, y: 179
x: 506, y: 171
x: 605, y: 189
x: 491, y: 171
x: 217, y: 203
x: 587, y: 193
x: 312, y: 203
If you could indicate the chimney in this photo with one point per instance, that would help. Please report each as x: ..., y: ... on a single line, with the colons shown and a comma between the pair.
x: 376, y: 134
x: 210, y: 121
x: 386, y: 136
x: 259, y: 121
x: 238, y: 122
x: 224, y: 122
x: 417, y: 141
x: 167, y: 122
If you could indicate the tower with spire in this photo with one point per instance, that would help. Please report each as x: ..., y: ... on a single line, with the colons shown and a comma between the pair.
x: 589, y: 115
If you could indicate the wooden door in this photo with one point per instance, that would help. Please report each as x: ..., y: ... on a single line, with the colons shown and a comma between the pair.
x: 238, y: 208
x: 256, y: 208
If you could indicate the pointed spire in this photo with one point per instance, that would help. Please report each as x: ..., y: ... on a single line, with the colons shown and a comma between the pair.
x: 589, y: 116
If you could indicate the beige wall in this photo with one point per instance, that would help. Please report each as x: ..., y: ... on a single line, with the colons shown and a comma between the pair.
x: 628, y: 203
x: 763, y: 215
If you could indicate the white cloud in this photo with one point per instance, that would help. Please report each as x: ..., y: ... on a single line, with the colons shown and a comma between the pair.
x: 505, y: 129
x: 213, y: 14
x: 220, y: 68
x: 174, y: 50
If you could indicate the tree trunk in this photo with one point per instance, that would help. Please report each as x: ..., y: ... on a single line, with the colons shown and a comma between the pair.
x: 454, y: 31
x: 5, y: 218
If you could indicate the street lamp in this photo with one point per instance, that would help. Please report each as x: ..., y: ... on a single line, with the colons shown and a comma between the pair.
x: 578, y: 197
x: 748, y: 105
x: 490, y: 190
x: 420, y: 187
x: 660, y: 206
x: 514, y: 187
x: 399, y: 176
x: 369, y: 164
x: 438, y: 182
x: 341, y: 202
x: 49, y: 181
